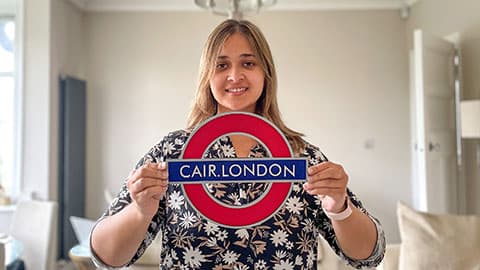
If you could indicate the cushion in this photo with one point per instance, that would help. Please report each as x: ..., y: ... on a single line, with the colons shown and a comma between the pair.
x: 438, y: 241
x: 390, y: 261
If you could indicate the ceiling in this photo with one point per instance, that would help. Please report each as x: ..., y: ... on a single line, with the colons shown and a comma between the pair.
x: 188, y: 5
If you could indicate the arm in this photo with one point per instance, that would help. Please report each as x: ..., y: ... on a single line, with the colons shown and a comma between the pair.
x: 357, y: 234
x: 116, y: 238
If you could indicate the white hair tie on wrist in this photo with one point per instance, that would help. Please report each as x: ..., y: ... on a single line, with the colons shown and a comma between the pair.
x: 342, y: 215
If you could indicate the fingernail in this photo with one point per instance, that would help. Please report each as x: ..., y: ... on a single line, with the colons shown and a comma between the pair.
x: 310, y: 170
x: 162, y: 165
x: 305, y: 186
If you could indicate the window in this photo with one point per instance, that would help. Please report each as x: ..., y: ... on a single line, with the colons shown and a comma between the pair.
x: 8, y: 103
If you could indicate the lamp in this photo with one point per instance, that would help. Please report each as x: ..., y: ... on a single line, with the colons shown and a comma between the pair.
x: 470, y: 118
x: 234, y: 9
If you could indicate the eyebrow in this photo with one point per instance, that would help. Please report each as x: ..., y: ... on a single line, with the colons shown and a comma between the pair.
x: 243, y: 55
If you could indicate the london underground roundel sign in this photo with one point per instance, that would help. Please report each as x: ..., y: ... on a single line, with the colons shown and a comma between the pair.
x: 262, y: 208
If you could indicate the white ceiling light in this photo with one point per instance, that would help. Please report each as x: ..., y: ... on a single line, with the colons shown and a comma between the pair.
x: 234, y: 9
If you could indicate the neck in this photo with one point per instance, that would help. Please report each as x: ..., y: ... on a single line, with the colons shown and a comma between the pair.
x: 242, y: 144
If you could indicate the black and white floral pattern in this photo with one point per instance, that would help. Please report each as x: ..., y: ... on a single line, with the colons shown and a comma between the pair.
x: 287, y: 240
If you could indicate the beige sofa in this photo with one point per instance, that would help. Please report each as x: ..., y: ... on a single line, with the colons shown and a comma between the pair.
x: 434, y: 241
x: 328, y: 260
x: 390, y: 261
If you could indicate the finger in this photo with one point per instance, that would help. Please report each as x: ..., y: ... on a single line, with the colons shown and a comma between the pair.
x: 155, y: 192
x: 329, y: 182
x: 324, y: 191
x: 157, y: 165
x: 145, y: 172
x: 151, y: 165
x: 329, y: 173
x: 320, y: 167
x: 130, y: 179
x: 162, y: 166
x: 160, y: 195
x: 145, y: 183
x: 150, y: 172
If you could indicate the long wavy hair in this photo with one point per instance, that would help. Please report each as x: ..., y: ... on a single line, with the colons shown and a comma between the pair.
x: 205, y: 105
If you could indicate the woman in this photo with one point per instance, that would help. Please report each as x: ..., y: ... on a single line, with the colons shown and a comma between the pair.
x: 236, y: 74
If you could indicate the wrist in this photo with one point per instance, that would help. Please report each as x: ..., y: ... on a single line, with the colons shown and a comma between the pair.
x: 140, y: 214
x: 344, y: 213
x: 340, y: 208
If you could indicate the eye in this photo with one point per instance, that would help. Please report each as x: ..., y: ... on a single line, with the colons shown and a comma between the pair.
x: 249, y: 64
x: 220, y: 66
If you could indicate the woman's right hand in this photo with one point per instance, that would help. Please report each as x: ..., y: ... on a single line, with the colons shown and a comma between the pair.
x: 147, y: 185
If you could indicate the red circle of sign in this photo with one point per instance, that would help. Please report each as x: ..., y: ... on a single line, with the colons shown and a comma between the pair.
x: 263, y: 131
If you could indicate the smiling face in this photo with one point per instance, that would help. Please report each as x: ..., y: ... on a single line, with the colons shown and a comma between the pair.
x: 238, y: 79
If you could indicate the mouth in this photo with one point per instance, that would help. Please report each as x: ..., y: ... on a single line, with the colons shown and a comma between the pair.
x: 237, y: 90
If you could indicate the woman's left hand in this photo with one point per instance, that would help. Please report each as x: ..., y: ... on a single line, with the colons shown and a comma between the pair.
x: 328, y: 180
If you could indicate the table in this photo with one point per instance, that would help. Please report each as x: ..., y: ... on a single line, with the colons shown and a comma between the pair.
x: 80, y: 256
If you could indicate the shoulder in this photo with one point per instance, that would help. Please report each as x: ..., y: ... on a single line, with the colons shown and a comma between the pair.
x: 176, y: 136
x: 313, y: 152
x: 173, y: 137
x: 170, y: 146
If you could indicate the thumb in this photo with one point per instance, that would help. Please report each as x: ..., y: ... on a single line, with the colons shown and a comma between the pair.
x: 131, y: 173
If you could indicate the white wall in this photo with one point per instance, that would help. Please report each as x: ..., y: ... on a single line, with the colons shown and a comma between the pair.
x: 343, y: 81
x: 8, y: 8
x: 442, y: 18
x: 53, y: 45
x: 67, y: 58
x: 53, y: 38
x: 36, y: 98
x: 141, y: 70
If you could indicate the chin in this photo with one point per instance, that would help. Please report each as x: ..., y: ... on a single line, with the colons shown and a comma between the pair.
x: 237, y: 109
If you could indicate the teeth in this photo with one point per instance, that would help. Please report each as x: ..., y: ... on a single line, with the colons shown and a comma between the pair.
x: 236, y: 90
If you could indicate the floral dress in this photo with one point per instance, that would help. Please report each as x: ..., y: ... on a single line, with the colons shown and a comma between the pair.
x: 287, y: 240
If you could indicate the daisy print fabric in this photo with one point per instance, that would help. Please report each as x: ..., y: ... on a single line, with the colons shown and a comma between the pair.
x: 287, y: 240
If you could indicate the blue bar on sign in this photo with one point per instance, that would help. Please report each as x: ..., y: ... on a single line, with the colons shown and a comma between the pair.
x: 189, y: 171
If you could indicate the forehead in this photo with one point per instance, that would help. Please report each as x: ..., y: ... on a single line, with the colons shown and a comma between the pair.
x: 236, y: 44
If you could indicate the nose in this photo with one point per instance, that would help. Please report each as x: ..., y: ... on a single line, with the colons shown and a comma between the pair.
x: 235, y: 74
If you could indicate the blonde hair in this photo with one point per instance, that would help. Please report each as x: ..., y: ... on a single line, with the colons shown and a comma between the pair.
x: 205, y: 104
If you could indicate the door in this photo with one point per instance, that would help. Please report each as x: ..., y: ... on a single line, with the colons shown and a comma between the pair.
x: 435, y: 179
